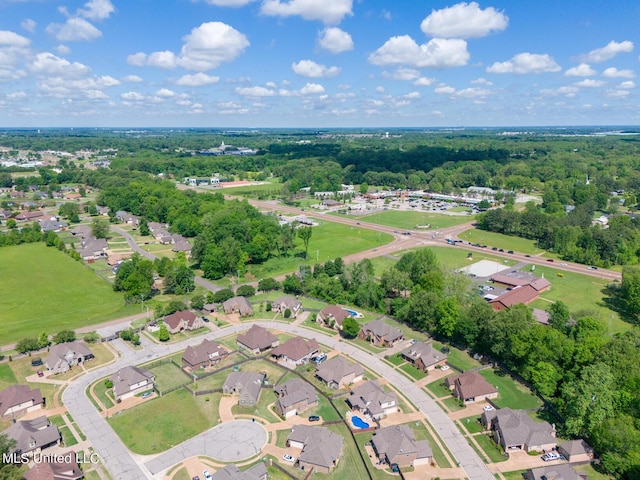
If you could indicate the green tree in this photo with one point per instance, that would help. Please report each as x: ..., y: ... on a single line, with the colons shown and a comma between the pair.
x: 197, y: 301
x: 559, y: 316
x: 268, y: 284
x: 43, y: 340
x: 630, y: 290
x: 163, y: 333
x: 8, y: 471
x: 11, y: 223
x: 304, y: 233
x: 292, y: 285
x: 100, y: 228
x: 91, y: 337
x: 27, y: 345
x: 350, y: 327
x: 364, y: 188
x: 245, y: 291
x: 143, y: 228
x: 64, y: 336
x: 223, y: 295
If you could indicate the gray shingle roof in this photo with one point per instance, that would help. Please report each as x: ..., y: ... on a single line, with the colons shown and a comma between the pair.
x: 322, y: 447
x: 32, y: 434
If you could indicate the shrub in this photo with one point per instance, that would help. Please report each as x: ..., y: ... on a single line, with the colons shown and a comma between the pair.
x: 268, y: 308
x: 287, y: 313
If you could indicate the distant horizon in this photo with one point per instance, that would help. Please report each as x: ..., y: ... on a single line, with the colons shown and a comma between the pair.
x: 318, y: 64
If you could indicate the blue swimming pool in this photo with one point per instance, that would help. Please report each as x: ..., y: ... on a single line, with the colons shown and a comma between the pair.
x: 358, y: 422
x: 353, y: 313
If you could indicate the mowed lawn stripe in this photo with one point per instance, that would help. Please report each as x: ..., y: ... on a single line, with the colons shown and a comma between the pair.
x: 47, y: 291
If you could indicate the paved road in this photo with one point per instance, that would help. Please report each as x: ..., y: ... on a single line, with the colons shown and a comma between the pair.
x: 230, y: 442
x: 122, y: 464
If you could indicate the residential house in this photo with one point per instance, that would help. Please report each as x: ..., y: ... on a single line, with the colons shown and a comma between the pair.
x: 82, y: 231
x: 554, y: 472
x: 471, y: 387
x: 294, y: 397
x: 231, y: 472
x: 33, y: 436
x: 337, y: 372
x: 130, y: 381
x: 5, y: 214
x: 158, y: 230
x: 321, y: 448
x: 296, y: 351
x: 283, y: 303
x: 183, y: 320
x: 180, y: 244
x: 516, y: 430
x: 380, y: 333
x: 29, y: 216
x: 397, y: 445
x: 423, y: 356
x: 257, y: 339
x: 93, y: 248
x: 246, y: 385
x: 65, y: 467
x: 576, y: 451
x: 371, y: 399
x: 207, y: 354
x: 18, y: 399
x: 52, y: 225
x: 126, y: 217
x: 239, y: 305
x: 332, y: 316
x: 65, y: 355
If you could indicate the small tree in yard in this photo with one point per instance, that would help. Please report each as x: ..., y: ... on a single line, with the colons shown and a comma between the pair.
x: 197, y: 302
x: 64, y: 336
x: 350, y: 327
x: 268, y: 284
x: 222, y: 295
x: 108, y: 383
x: 135, y: 339
x: 163, y: 333
x: 268, y: 307
x: 287, y: 313
x: 43, y: 340
x: 246, y: 291
x: 91, y: 337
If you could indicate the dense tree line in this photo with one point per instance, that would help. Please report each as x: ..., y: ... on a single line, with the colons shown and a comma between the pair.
x: 572, y: 236
x: 592, y: 379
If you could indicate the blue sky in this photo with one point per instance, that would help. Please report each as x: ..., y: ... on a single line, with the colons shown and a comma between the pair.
x: 318, y: 63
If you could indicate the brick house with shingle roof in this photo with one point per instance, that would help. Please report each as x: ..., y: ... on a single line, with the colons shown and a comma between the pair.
x: 294, y: 397
x: 338, y: 372
x: 332, y: 313
x: 397, y: 445
x: 207, y: 354
x: 130, y: 380
x: 182, y: 320
x: 295, y: 351
x: 371, y: 399
x: 64, y: 468
x: 32, y: 436
x: 321, y: 448
x: 516, y: 430
x: 239, y: 305
x: 257, y: 339
x: 17, y: 399
x: 380, y: 333
x: 246, y: 385
x: 471, y: 387
x: 423, y: 356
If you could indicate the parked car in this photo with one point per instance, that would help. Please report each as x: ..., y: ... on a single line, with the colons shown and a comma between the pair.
x: 314, y: 418
x: 146, y: 395
x: 488, y: 408
x: 592, y: 268
x: 207, y: 475
x: 288, y: 458
x: 444, y: 367
x: 510, y: 251
x: 547, y: 457
x: 40, y: 373
x: 549, y: 259
x: 196, y: 477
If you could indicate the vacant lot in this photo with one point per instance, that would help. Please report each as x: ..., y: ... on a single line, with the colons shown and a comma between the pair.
x: 47, y: 291
x: 161, y: 423
x: 328, y: 241
x: 169, y: 376
x: 408, y: 220
x: 510, y: 393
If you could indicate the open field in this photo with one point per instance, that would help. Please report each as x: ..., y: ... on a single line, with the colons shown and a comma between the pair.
x: 328, y: 242
x: 252, y: 191
x: 146, y: 431
x: 169, y: 376
x: 483, y: 237
x: 581, y: 293
x: 48, y: 291
x: 408, y: 220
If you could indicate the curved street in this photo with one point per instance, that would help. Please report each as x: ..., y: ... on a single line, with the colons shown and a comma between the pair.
x: 123, y: 464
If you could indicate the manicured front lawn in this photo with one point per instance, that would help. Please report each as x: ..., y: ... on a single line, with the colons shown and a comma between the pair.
x: 510, y: 393
x: 159, y: 424
x: 261, y: 409
x: 438, y: 389
x: 517, y: 475
x: 452, y: 404
x: 421, y: 433
x: 37, y: 301
x: 413, y: 372
x: 395, y: 359
x: 471, y: 424
x: 103, y: 393
x: 458, y: 358
x: 490, y: 449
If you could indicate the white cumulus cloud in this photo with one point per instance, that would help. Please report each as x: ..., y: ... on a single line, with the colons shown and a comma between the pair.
x: 335, y: 40
x: 29, y: 25
x: 582, y: 70
x: 411, y: 95
x: 464, y: 20
x: 424, y: 82
x: 523, y: 63
x: 97, y: 9
x: 49, y: 64
x: 197, y: 80
x: 165, y: 93
x: 589, y: 83
x: 627, y: 84
x: 444, y: 90
x: 132, y: 79
x: 211, y: 44
x: 405, y: 74
x: 74, y: 30
x: 329, y: 12
x: 617, y: 93
x: 437, y: 53
x: 255, y: 92
x: 165, y: 59
x: 312, y: 89
x: 229, y: 3
x: 613, y: 72
x: 609, y: 51
x: 12, y: 39
x: 311, y: 69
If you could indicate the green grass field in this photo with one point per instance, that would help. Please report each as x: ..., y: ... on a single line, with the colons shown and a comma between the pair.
x: 159, y: 424
x: 408, y: 220
x: 483, y: 237
x: 252, y: 191
x: 510, y: 393
x: 47, y: 291
x: 328, y: 242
